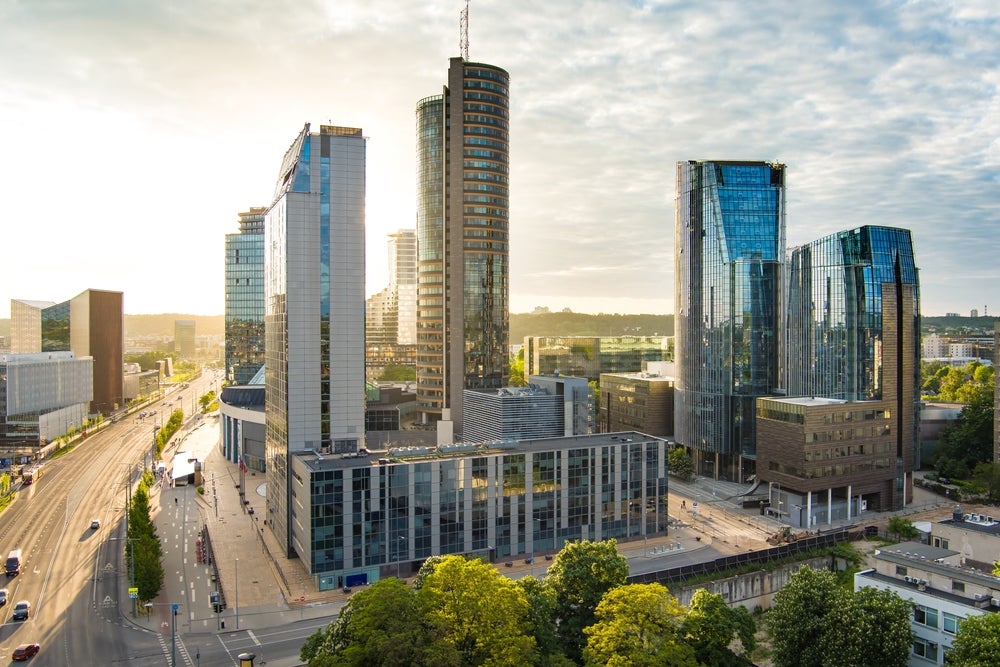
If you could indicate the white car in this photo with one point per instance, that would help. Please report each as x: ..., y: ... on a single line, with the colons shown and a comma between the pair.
x: 95, y: 523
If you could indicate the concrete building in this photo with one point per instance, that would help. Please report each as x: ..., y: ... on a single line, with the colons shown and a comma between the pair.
x: 729, y: 250
x: 42, y: 397
x: 642, y: 402
x: 245, y: 298
x: 184, y: 335
x: 381, y: 514
x: 462, y: 241
x: 26, y: 325
x: 314, y: 317
x: 392, y: 313
x: 976, y: 537
x: 241, y: 408
x: 942, y: 589
x: 549, y: 407
x: 590, y: 356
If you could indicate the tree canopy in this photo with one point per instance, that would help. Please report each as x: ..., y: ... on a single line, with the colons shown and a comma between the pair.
x: 714, y: 629
x: 977, y: 643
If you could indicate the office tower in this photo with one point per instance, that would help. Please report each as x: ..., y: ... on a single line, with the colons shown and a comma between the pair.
x: 184, y: 345
x: 314, y: 316
x: 91, y: 324
x: 392, y: 313
x: 591, y: 356
x: 245, y: 297
x: 462, y: 239
x: 729, y: 240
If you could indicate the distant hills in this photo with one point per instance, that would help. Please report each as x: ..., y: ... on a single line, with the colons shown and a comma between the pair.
x: 163, y: 324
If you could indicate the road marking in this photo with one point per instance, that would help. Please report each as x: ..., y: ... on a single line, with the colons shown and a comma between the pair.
x: 108, y: 602
x: 253, y: 637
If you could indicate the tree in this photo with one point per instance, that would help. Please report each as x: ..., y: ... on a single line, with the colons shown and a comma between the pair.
x: 541, y: 614
x: 986, y: 475
x: 517, y: 378
x: 797, y: 620
x: 398, y: 373
x: 679, y: 463
x: 713, y: 628
x: 580, y: 575
x: 636, y: 625
x: 977, y: 643
x: 870, y: 626
x: 969, y: 440
x: 904, y: 528
x: 482, y: 616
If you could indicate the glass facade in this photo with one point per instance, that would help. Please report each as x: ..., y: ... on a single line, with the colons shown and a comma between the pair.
x: 729, y: 237
x: 589, y: 356
x: 55, y: 328
x: 367, y: 520
x: 835, y: 311
x: 462, y: 231
x: 245, y: 298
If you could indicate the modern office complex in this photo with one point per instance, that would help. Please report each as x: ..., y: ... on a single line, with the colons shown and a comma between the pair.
x: 381, y: 514
x: 184, y: 344
x: 549, y: 407
x: 392, y: 313
x: 462, y: 239
x: 853, y: 338
x: 314, y: 316
x: 641, y: 401
x: 91, y: 324
x: 42, y: 397
x: 245, y: 298
x: 589, y: 356
x: 996, y: 395
x: 729, y: 240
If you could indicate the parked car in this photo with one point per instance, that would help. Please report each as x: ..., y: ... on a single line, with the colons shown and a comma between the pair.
x: 25, y: 651
x: 22, y: 610
x: 944, y: 480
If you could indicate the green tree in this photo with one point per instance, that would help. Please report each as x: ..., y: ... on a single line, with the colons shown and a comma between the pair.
x: 903, y: 528
x: 637, y: 625
x: 482, y: 615
x: 679, y: 463
x: 541, y: 614
x: 146, y: 552
x: 977, y: 643
x: 398, y: 373
x: 714, y: 629
x: 986, y: 475
x: 797, y: 620
x: 580, y: 575
x: 517, y: 378
x: 969, y: 441
x: 870, y: 626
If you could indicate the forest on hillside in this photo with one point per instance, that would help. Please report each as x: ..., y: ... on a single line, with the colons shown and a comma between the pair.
x: 583, y: 324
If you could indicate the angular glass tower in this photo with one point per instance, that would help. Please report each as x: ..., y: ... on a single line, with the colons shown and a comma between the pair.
x: 314, y: 316
x: 729, y: 240
x: 245, y: 298
x: 462, y: 239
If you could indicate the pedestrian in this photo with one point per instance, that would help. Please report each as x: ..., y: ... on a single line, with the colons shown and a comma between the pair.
x: 175, y: 500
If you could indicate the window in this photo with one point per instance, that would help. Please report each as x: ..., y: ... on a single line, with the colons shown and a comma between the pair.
x: 925, y: 616
x: 925, y: 649
x: 958, y: 586
x: 901, y: 571
x: 950, y: 623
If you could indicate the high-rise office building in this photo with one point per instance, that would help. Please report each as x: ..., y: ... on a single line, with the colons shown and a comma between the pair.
x: 996, y: 394
x: 91, y: 324
x: 314, y: 316
x: 245, y: 297
x: 392, y: 313
x: 462, y: 239
x: 184, y: 339
x: 729, y: 240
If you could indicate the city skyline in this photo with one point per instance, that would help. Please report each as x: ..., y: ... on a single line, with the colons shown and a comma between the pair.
x: 134, y: 133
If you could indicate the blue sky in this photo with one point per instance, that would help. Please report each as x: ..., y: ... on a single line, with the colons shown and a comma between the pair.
x: 133, y: 131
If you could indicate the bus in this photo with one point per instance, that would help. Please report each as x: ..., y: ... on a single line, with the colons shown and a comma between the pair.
x: 29, y: 476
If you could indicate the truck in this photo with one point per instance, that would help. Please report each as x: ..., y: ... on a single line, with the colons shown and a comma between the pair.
x: 13, y: 565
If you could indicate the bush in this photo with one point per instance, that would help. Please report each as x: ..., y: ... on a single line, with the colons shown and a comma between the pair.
x: 201, y: 490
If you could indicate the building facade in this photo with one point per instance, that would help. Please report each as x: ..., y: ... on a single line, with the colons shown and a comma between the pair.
x: 462, y: 239
x: 26, y: 325
x: 184, y: 339
x: 384, y: 513
x: 245, y: 298
x: 590, y: 356
x: 42, y: 397
x: 729, y: 240
x: 642, y: 402
x: 549, y: 407
x: 314, y: 312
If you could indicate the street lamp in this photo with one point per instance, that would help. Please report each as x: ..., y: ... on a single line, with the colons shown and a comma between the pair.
x: 173, y: 634
x: 237, y: 588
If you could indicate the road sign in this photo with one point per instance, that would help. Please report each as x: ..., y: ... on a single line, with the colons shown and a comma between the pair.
x: 133, y: 593
x: 175, y: 607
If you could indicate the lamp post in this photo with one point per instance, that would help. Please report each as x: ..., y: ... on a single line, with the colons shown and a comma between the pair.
x: 237, y: 588
x: 173, y: 633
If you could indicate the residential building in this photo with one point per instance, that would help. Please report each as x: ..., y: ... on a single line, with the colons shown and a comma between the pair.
x: 42, y: 396
x: 462, y: 241
x: 996, y: 393
x: 549, y: 407
x: 642, y: 402
x: 382, y: 514
x: 314, y: 317
x: 976, y: 537
x: 943, y: 591
x: 590, y: 356
x: 245, y: 298
x: 729, y: 240
x: 184, y: 333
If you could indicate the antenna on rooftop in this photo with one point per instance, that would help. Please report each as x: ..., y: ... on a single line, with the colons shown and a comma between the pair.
x: 463, y: 40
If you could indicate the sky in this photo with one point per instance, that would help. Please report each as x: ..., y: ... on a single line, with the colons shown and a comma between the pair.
x: 132, y: 132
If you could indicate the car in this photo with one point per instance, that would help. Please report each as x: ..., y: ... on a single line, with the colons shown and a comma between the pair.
x: 95, y: 523
x: 22, y: 610
x: 3, y: 596
x: 944, y: 480
x: 25, y: 651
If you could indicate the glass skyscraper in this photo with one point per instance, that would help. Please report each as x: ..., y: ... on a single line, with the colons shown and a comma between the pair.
x: 314, y: 315
x: 729, y: 240
x: 462, y: 238
x: 245, y: 297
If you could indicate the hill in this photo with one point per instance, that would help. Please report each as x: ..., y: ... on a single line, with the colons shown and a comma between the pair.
x: 582, y: 324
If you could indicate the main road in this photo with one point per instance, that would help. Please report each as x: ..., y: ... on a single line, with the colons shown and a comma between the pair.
x: 73, y: 575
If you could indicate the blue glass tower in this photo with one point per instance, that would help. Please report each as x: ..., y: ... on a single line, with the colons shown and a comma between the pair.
x: 729, y: 240
x: 245, y: 298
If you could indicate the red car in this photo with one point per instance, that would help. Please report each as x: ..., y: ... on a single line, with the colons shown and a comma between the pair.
x: 25, y: 651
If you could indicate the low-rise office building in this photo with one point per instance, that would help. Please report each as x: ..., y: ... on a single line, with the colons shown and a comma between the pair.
x: 641, y: 401
x: 550, y: 406
x: 377, y: 514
